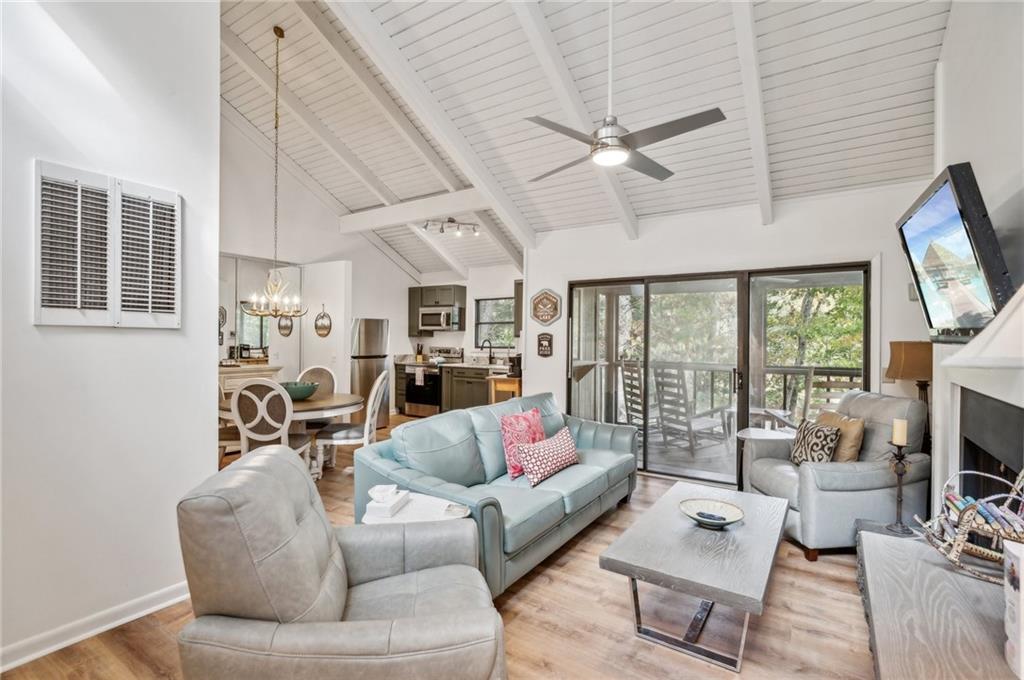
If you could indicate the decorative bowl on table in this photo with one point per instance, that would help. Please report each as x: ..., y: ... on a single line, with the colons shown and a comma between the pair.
x: 382, y: 493
x: 711, y: 514
x: 300, y: 391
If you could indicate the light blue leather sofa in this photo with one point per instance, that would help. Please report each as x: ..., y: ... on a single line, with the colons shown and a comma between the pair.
x: 458, y: 456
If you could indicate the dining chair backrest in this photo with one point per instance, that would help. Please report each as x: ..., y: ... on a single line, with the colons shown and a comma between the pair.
x: 321, y: 375
x: 377, y: 392
x: 262, y: 411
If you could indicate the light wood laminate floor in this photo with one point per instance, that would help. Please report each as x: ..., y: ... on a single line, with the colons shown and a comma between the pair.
x: 570, y: 619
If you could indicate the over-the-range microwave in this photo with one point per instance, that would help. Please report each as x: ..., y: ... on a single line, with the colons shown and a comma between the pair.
x: 439, y: 318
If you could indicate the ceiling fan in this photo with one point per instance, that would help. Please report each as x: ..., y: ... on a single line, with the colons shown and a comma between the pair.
x: 612, y: 144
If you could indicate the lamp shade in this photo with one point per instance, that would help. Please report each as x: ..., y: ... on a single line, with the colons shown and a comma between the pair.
x: 909, y: 360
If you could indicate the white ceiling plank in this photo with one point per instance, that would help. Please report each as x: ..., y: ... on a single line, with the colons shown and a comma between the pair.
x: 350, y: 61
x: 385, y: 54
x: 491, y: 228
x: 233, y: 117
x: 551, y: 60
x: 265, y: 77
x: 746, y: 47
x: 449, y: 259
x: 416, y: 210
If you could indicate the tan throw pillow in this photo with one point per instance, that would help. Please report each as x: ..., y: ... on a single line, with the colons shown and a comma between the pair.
x: 851, y: 435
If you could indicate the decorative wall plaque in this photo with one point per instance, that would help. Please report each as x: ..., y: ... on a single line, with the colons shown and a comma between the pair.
x: 546, y: 307
x: 284, y: 326
x: 545, y: 344
x: 322, y: 323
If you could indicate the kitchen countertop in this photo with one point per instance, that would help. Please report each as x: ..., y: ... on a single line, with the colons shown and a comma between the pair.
x: 501, y: 368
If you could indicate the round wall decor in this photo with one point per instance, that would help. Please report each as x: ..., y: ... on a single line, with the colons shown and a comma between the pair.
x: 284, y: 326
x: 222, y: 316
x: 322, y: 323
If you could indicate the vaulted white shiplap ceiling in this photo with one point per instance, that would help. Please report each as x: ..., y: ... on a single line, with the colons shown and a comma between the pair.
x: 846, y: 90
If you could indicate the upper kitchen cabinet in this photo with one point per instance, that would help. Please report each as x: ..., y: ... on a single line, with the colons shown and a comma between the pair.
x: 443, y: 296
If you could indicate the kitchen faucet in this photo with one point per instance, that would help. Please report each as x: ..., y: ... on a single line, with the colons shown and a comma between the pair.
x: 490, y: 350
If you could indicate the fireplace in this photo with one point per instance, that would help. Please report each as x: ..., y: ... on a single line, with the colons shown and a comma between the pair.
x: 991, y: 441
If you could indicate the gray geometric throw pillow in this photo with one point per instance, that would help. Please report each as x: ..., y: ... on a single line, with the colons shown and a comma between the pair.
x: 814, y: 443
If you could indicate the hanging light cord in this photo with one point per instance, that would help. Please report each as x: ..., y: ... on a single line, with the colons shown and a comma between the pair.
x: 611, y: 24
x: 277, y: 128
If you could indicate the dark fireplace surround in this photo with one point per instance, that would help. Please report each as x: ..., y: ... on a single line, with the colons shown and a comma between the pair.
x: 991, y: 440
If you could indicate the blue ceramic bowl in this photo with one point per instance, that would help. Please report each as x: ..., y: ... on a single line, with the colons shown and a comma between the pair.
x: 300, y: 391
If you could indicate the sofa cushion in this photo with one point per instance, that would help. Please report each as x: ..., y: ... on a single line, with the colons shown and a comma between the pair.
x: 487, y: 424
x: 578, y: 485
x: 617, y: 465
x: 776, y: 477
x: 439, y: 590
x: 442, y: 446
x: 527, y: 513
x: 550, y: 414
x: 878, y: 411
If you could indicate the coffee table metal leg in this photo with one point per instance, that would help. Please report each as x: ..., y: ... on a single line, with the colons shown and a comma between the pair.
x: 688, y: 644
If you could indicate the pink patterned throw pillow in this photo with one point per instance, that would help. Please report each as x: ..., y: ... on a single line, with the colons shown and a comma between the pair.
x: 545, y: 458
x: 516, y: 429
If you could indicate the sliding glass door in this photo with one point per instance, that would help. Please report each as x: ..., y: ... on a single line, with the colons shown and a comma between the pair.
x: 693, y: 353
x: 694, y: 360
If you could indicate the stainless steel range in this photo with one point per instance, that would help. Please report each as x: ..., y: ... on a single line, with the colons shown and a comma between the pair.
x: 423, y: 382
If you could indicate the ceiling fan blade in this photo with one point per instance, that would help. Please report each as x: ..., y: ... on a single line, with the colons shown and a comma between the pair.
x: 641, y: 163
x: 560, y: 168
x: 657, y: 133
x: 568, y: 132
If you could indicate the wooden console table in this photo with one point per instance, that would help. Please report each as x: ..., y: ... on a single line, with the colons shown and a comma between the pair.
x: 926, y: 619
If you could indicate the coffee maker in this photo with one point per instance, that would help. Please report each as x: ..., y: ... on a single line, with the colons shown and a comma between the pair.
x: 515, y: 365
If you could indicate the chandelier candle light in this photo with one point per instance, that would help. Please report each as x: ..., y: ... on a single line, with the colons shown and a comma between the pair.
x: 273, y: 302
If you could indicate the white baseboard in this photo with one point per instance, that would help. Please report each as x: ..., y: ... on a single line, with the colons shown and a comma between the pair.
x: 42, y: 644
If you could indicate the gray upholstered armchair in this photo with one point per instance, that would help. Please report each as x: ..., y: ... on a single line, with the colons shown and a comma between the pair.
x: 826, y: 499
x: 280, y: 593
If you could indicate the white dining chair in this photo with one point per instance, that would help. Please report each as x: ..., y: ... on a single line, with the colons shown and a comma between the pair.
x: 262, y: 411
x: 323, y: 376
x: 353, y: 434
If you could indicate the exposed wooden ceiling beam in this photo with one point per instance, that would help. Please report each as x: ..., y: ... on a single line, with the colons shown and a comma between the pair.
x: 255, y: 67
x: 415, y: 211
x: 381, y: 49
x: 346, y: 57
x: 545, y: 48
x: 750, y: 73
x: 232, y: 115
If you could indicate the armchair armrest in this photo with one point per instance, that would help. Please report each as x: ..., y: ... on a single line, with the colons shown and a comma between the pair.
x: 373, y: 551
x: 464, y: 644
x: 861, y: 475
x: 590, y: 434
x: 763, y: 448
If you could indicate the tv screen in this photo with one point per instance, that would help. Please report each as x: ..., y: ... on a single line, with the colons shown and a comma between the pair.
x: 955, y: 259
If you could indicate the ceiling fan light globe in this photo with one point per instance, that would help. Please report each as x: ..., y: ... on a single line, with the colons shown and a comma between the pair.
x: 610, y: 156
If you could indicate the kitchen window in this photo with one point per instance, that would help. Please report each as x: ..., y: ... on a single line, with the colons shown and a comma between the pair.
x: 495, y: 321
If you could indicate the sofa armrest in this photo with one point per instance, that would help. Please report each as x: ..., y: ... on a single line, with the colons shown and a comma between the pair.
x: 374, y: 551
x: 763, y: 448
x: 461, y: 644
x: 861, y: 475
x: 590, y: 434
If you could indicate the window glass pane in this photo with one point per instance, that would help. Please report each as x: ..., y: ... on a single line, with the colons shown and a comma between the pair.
x: 501, y: 310
x: 500, y: 334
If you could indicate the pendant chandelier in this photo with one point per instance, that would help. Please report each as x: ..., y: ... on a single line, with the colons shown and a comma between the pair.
x: 272, y: 301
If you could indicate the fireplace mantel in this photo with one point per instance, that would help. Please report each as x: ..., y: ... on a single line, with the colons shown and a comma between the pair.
x: 992, y: 364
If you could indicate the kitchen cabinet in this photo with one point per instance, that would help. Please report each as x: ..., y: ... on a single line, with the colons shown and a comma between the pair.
x: 517, y: 319
x: 464, y: 387
x: 414, y: 314
x: 443, y: 296
x: 400, y: 388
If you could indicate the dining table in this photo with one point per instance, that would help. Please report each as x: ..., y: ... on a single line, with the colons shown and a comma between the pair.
x: 319, y: 408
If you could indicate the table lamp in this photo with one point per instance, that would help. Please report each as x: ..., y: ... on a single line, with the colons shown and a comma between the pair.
x: 911, y: 360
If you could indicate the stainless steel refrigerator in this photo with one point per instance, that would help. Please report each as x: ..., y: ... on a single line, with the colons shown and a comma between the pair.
x: 369, y: 359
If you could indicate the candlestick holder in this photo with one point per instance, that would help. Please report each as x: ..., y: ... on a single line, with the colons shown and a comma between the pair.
x: 900, y: 467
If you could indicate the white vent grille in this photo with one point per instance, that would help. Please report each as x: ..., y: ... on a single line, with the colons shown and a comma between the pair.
x: 107, y: 256
x: 148, y: 255
x: 73, y: 245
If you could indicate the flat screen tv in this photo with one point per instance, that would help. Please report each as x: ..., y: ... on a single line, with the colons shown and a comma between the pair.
x: 955, y: 259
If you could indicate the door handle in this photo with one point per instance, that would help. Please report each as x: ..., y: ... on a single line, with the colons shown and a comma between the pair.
x: 737, y: 380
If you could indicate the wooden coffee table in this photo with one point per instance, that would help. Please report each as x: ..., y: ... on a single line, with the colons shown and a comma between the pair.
x: 729, y: 567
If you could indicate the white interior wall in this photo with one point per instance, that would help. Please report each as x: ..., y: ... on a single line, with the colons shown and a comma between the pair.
x: 483, y: 282
x: 104, y: 429
x: 845, y: 227
x: 979, y: 102
x: 327, y: 286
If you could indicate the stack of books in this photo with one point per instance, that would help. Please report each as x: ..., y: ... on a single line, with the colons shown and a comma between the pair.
x: 388, y: 507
